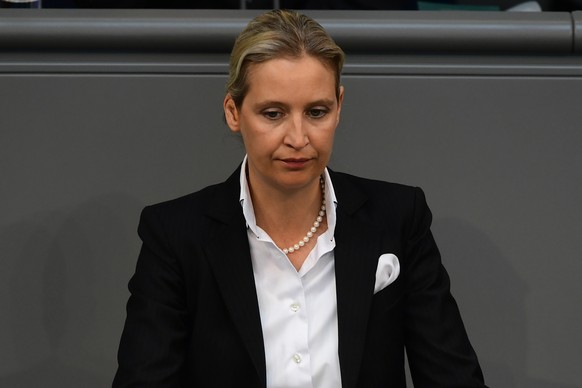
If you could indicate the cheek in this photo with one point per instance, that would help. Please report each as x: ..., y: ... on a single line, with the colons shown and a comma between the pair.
x: 323, y: 138
x: 258, y: 143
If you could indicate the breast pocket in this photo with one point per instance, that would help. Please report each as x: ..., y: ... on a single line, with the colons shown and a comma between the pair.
x: 389, y: 297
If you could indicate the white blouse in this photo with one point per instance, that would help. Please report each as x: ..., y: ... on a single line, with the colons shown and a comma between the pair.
x: 298, y: 309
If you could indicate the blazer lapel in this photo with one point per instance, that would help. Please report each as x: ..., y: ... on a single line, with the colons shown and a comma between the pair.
x: 356, y: 256
x: 229, y: 256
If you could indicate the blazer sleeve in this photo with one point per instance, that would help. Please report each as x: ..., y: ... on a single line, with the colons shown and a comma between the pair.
x: 153, y: 343
x: 437, y: 346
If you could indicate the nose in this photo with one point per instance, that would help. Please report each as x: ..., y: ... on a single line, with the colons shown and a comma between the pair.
x: 296, y: 135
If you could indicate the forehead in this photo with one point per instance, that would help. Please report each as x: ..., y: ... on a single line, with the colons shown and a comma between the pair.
x: 289, y: 77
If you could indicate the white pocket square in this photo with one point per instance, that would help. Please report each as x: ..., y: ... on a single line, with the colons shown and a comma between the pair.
x: 387, y: 271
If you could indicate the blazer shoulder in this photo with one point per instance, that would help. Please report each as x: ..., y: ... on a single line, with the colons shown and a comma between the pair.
x: 375, y: 188
x: 194, y: 210
x: 195, y: 202
x: 377, y: 201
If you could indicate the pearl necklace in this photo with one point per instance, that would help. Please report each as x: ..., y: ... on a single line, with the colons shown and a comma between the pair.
x: 316, y: 224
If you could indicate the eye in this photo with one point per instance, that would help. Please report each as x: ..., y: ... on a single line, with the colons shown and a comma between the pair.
x: 272, y: 114
x: 317, y: 113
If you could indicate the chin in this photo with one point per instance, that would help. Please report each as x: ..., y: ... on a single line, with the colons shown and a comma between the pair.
x: 298, y: 181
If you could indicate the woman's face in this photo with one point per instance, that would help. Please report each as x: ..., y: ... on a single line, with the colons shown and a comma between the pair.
x: 287, y: 121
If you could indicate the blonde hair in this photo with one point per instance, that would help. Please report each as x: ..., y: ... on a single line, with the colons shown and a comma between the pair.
x: 280, y: 34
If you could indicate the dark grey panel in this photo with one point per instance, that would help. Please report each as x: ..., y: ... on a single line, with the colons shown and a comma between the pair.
x: 128, y: 30
x: 356, y: 31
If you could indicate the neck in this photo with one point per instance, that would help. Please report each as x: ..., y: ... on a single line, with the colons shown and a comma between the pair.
x: 286, y: 213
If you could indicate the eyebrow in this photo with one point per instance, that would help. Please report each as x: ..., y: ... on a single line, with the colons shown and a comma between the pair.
x: 266, y: 103
x: 324, y: 101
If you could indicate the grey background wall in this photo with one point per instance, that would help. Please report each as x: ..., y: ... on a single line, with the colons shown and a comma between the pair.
x: 104, y: 112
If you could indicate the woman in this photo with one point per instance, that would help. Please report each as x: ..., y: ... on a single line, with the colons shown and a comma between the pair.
x: 289, y: 274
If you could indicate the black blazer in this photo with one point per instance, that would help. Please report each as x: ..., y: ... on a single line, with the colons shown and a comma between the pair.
x: 193, y: 317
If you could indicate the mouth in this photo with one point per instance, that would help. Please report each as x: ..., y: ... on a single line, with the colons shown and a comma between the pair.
x: 295, y: 163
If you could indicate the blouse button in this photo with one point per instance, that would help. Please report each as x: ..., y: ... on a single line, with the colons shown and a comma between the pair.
x: 297, y: 358
x: 294, y: 307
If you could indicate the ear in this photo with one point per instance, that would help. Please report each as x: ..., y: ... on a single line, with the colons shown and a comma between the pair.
x: 231, y: 113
